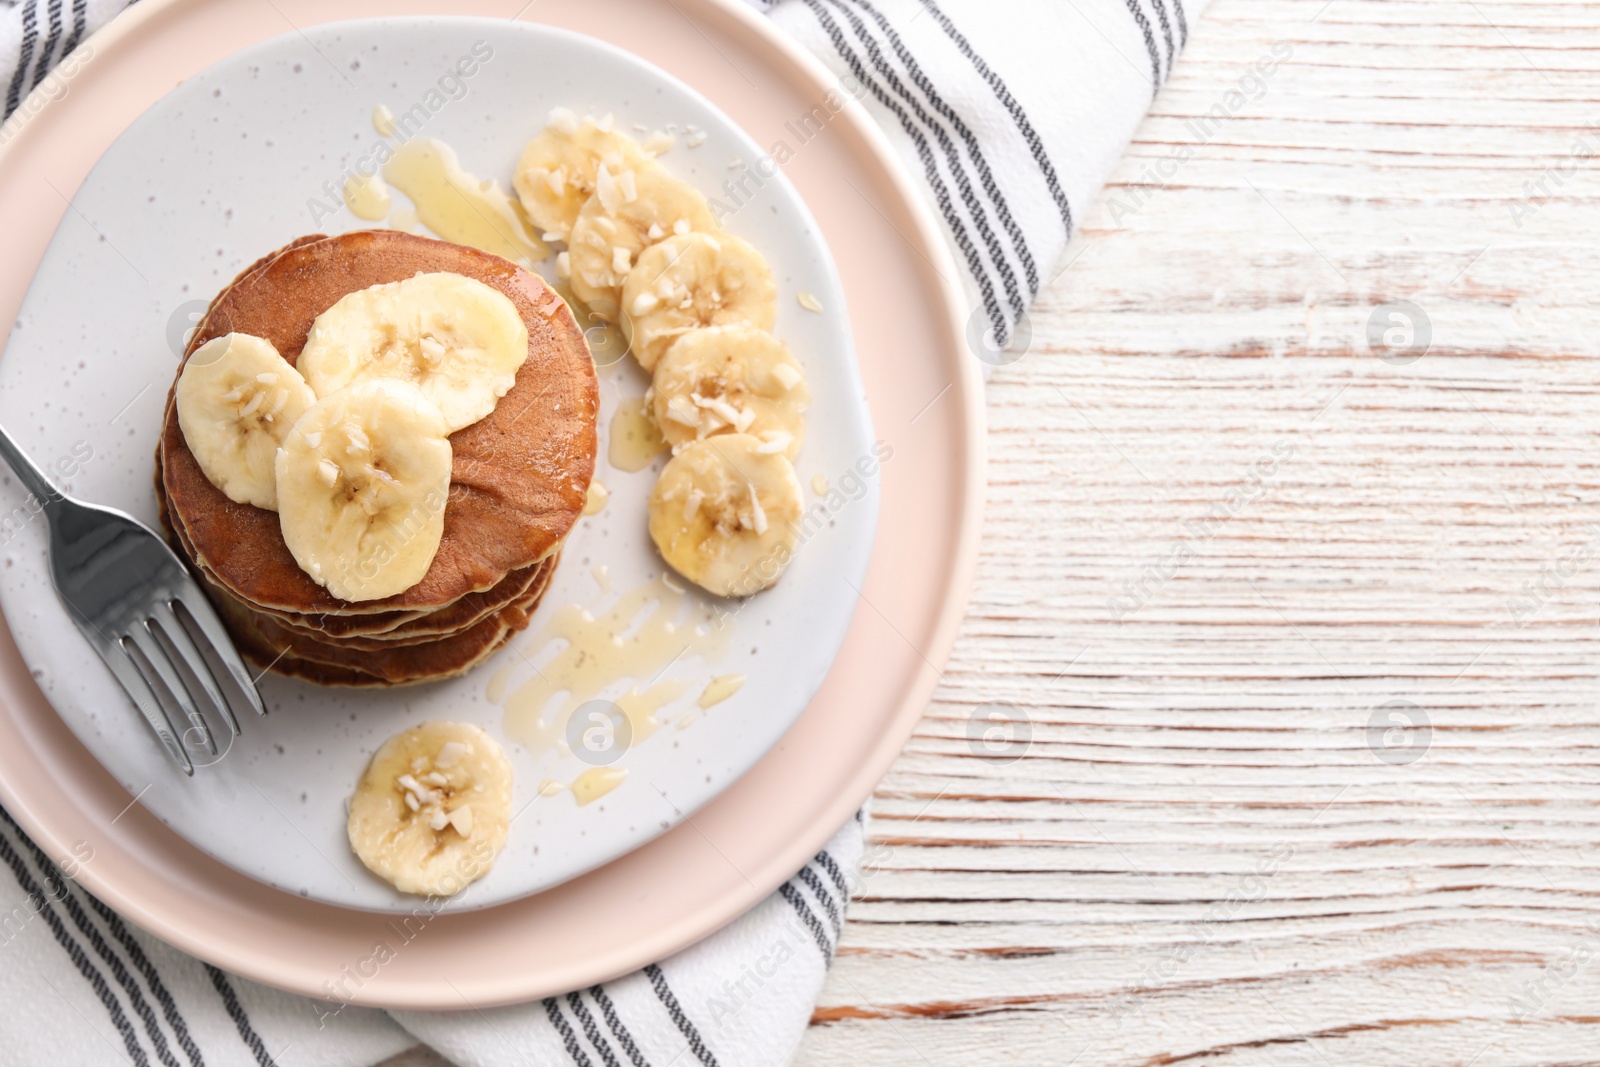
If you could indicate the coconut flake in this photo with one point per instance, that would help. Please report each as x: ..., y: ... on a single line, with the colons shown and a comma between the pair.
x: 621, y: 260
x: 607, y: 189
x: 809, y: 301
x: 679, y: 409
x: 563, y: 119
x: 643, y: 304
x: 461, y: 819
x: 774, y: 441
x: 787, y: 375
x: 328, y: 472
x: 450, y: 754
x: 757, y: 514
x: 556, y: 180
x: 432, y: 348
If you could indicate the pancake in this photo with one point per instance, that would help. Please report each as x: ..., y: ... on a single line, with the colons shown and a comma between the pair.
x: 411, y: 665
x: 519, y: 478
x: 530, y: 581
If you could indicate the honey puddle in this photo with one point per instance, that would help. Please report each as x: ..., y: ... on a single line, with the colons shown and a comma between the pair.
x: 716, y: 691
x: 649, y: 629
x: 595, y: 783
x: 383, y: 121
x: 595, y: 503
x: 367, y: 196
x: 460, y: 207
x: 635, y: 441
x: 721, y: 688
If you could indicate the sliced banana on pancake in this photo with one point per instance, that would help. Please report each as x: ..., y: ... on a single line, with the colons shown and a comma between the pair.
x: 431, y: 812
x: 629, y: 211
x: 237, y: 399
x: 558, y: 169
x: 724, y: 514
x: 731, y: 379
x: 454, y: 337
x: 362, y: 483
x: 694, y: 280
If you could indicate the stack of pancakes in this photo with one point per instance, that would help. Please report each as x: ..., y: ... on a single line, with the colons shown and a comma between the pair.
x: 519, y: 481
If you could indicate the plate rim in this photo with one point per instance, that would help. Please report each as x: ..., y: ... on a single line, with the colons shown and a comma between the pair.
x: 823, y: 819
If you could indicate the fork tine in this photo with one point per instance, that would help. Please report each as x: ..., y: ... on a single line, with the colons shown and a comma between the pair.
x: 200, y: 610
x: 143, y: 637
x: 172, y: 626
x: 144, y: 698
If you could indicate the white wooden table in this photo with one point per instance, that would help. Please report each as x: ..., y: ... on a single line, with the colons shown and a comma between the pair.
x: 1205, y: 855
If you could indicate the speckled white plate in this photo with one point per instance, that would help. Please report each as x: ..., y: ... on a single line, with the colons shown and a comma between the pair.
x: 234, y: 163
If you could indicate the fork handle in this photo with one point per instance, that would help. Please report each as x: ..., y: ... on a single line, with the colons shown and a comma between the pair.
x: 32, y: 478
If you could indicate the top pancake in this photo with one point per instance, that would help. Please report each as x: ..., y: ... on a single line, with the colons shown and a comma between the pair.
x: 520, y: 475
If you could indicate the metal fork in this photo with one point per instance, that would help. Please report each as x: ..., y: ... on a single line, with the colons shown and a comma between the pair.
x: 123, y: 586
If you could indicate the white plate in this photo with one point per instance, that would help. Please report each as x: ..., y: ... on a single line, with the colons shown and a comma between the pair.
x: 223, y: 170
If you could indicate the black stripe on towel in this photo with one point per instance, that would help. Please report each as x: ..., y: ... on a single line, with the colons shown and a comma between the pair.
x: 826, y: 862
x: 1003, y: 93
x: 241, y: 1020
x: 564, y: 1028
x: 591, y: 1031
x: 1002, y: 209
x: 958, y: 172
x: 80, y: 23
x: 86, y: 927
x: 980, y: 276
x: 807, y: 916
x: 47, y: 54
x: 1149, y: 43
x: 1166, y: 30
x: 1183, y: 23
x: 30, y: 20
x: 74, y: 951
x: 809, y: 877
x: 152, y: 977
x: 613, y: 1020
x: 680, y: 1019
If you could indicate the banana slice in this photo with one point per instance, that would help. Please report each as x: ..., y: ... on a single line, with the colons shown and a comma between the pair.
x: 731, y: 379
x: 237, y: 399
x: 629, y: 211
x: 362, y: 483
x: 693, y: 280
x: 431, y: 812
x: 724, y: 514
x: 559, y: 168
x: 457, y: 339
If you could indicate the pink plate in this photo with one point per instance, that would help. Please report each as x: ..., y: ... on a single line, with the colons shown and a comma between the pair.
x: 926, y: 400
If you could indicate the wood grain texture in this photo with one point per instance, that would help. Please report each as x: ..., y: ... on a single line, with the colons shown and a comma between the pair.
x: 1223, y: 533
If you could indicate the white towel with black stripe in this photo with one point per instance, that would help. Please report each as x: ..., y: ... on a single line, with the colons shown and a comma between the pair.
x: 1013, y: 116
x: 79, y: 985
x: 1012, y: 113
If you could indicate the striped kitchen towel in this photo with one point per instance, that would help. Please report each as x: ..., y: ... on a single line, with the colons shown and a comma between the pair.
x: 1013, y: 115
